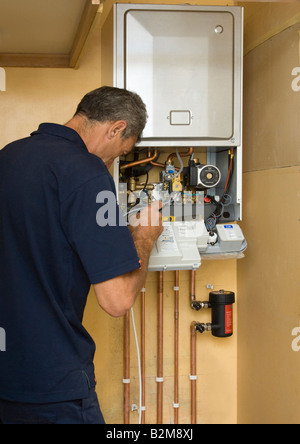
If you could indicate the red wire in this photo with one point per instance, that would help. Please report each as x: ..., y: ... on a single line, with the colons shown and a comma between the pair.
x: 229, y: 171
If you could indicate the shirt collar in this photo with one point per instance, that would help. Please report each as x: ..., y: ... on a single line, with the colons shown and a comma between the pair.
x: 62, y: 131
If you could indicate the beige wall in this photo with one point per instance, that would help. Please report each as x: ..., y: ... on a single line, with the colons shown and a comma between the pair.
x: 36, y: 95
x: 268, y: 279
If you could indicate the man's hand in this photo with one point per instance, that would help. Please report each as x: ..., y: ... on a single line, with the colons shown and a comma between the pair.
x: 119, y: 294
x: 147, y: 225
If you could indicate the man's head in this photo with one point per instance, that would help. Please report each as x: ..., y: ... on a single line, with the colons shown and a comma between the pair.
x: 109, y: 104
x: 110, y: 121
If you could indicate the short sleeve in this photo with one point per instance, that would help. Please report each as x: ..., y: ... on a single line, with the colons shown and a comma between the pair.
x: 97, y: 232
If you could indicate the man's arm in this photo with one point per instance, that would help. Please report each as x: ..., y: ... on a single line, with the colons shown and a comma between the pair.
x: 118, y: 295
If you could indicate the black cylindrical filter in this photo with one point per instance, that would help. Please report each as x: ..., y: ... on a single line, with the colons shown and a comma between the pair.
x: 222, y: 317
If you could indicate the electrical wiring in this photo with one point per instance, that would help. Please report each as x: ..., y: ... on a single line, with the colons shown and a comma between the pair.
x: 225, y: 200
x: 146, y: 183
x: 181, y: 164
x: 134, y: 210
x: 139, y: 366
x: 229, y: 171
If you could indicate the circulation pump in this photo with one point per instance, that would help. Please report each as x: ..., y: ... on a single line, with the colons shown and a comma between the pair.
x: 221, y: 304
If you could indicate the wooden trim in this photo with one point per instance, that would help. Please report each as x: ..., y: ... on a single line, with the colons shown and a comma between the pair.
x: 35, y: 60
x: 89, y: 14
x: 272, y: 33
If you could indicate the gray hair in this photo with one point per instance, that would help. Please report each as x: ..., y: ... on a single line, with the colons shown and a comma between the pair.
x: 108, y: 104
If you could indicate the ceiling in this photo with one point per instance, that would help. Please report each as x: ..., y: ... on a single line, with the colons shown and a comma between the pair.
x: 45, y: 33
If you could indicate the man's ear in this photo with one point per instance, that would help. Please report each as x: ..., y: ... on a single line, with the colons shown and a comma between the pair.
x: 117, y: 128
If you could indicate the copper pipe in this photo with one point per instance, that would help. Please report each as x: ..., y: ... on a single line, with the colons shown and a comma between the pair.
x: 176, y: 348
x: 149, y: 152
x: 127, y: 368
x: 162, y: 165
x: 192, y: 286
x: 188, y: 153
x: 193, y: 374
x: 158, y: 164
x: 160, y: 349
x: 143, y: 353
x: 140, y: 162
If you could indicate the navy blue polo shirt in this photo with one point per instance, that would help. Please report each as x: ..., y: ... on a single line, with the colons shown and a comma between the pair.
x: 51, y: 250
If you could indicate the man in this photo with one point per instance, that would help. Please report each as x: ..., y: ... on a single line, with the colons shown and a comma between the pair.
x: 52, y: 250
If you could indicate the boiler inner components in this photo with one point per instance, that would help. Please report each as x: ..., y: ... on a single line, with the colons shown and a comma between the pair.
x: 196, y: 196
x: 230, y: 236
x: 202, y: 176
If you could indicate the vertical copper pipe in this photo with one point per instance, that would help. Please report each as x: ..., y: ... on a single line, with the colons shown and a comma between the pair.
x: 192, y: 286
x: 176, y: 348
x: 143, y: 325
x: 127, y: 368
x: 160, y: 349
x: 193, y: 374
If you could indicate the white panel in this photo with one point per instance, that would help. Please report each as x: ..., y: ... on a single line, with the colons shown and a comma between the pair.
x: 180, y: 60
